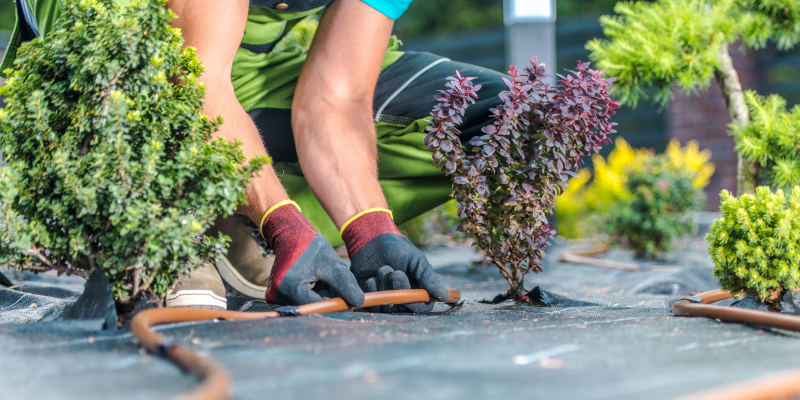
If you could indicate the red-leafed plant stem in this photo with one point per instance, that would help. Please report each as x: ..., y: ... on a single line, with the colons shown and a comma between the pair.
x: 506, y: 180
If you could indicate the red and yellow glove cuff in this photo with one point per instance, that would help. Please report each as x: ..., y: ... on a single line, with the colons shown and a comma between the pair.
x: 361, y: 228
x: 289, y: 234
x: 272, y: 210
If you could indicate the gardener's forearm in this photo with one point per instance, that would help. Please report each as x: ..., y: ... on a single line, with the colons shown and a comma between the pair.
x: 332, y: 109
x: 265, y: 189
x: 337, y: 152
x: 215, y: 29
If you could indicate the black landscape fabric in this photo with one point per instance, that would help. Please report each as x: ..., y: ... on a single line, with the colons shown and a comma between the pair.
x: 603, y: 334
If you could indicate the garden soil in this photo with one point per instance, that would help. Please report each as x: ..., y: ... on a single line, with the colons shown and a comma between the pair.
x: 602, y: 334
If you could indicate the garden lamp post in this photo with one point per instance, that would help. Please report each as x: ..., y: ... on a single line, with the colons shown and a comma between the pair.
x: 531, y: 31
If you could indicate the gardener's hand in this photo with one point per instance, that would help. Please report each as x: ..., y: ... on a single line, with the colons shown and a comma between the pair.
x: 373, y: 241
x: 306, y: 268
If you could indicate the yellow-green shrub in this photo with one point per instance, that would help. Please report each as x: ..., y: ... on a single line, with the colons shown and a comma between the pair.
x: 658, y: 211
x: 755, y: 246
x: 592, y: 193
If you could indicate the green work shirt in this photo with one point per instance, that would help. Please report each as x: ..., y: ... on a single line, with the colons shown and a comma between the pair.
x: 274, y: 47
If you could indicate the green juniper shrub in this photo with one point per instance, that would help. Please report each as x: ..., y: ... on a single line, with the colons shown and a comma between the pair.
x: 109, y: 162
x: 652, y: 46
x: 659, y: 210
x: 755, y: 246
x: 761, y: 21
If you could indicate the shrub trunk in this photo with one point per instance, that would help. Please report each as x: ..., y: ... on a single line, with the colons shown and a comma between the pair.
x: 773, y: 302
x: 731, y: 87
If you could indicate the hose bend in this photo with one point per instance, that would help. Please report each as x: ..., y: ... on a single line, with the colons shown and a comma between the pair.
x: 215, y: 381
x: 704, y: 308
x: 780, y: 385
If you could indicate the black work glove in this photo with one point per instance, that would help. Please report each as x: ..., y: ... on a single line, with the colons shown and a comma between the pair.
x: 373, y: 241
x: 306, y: 268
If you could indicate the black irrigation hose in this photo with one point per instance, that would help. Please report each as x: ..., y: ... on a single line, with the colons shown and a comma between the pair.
x: 780, y: 385
x: 215, y: 380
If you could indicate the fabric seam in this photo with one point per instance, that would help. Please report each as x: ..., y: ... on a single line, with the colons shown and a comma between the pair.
x: 405, y: 85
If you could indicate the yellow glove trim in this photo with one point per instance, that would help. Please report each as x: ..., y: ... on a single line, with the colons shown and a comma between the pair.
x: 273, y: 208
x: 367, y: 211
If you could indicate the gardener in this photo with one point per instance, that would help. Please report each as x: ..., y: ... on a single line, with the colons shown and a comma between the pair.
x: 342, y: 118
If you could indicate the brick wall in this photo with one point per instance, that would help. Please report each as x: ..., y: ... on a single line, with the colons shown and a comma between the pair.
x: 704, y: 117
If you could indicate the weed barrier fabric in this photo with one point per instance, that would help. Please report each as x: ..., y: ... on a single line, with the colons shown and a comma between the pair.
x: 603, y: 334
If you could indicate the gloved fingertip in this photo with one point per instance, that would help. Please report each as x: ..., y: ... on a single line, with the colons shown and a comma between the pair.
x: 351, y: 293
x: 419, y: 307
x: 399, y: 280
x: 354, y: 298
x: 433, y: 284
x: 384, y: 270
x: 439, y: 292
x: 305, y: 296
x: 369, y: 285
x: 346, y: 285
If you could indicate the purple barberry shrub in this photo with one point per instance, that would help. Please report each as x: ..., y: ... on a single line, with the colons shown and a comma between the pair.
x: 506, y: 180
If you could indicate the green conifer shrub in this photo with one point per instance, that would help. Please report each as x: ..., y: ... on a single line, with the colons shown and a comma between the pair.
x: 761, y: 21
x: 755, y: 246
x: 659, y: 210
x: 108, y: 161
x: 649, y: 46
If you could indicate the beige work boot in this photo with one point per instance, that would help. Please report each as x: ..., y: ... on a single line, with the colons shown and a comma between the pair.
x: 249, y: 260
x: 201, y: 288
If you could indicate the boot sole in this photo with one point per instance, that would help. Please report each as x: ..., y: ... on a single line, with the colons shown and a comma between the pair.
x: 202, y: 298
x: 238, y: 282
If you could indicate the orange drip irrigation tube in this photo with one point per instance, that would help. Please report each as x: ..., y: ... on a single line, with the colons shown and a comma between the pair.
x: 215, y: 381
x: 584, y: 257
x: 780, y: 385
x: 700, y: 306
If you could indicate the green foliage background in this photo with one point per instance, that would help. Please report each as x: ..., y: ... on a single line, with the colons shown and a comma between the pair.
x: 7, y: 15
x: 649, y: 47
x: 437, y: 17
x: 755, y: 246
x: 110, y: 162
x: 442, y: 17
x: 764, y: 20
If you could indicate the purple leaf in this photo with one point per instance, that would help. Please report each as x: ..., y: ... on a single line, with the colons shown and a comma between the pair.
x: 539, y: 133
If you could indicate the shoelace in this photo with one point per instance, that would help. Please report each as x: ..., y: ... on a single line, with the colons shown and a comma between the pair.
x: 263, y: 246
